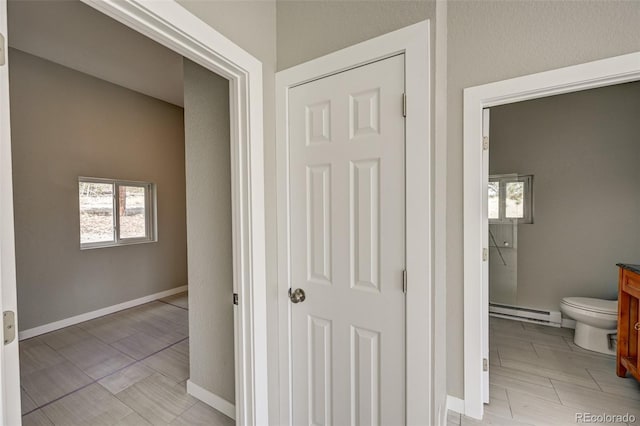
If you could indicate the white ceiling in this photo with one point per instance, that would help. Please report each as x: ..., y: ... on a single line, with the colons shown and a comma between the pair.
x: 77, y: 36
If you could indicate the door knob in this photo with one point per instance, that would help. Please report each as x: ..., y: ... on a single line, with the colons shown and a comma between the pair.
x: 297, y: 295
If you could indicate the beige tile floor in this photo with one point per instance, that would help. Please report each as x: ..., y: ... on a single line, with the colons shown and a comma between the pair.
x: 128, y: 368
x: 538, y: 376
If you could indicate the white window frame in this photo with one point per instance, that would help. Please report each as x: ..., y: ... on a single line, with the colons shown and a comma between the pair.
x: 527, y: 198
x: 151, y: 222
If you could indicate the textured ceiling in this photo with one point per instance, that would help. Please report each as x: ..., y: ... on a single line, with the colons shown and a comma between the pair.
x: 73, y: 34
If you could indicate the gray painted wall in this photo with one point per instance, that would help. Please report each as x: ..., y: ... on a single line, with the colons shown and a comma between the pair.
x: 210, y: 256
x: 66, y: 124
x: 309, y: 29
x: 495, y: 40
x: 252, y: 26
x: 583, y: 149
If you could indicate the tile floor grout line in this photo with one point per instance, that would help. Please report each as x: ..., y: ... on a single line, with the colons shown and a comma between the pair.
x: 567, y: 342
x: 74, y: 365
x: 65, y: 360
x: 605, y: 393
x: 137, y: 332
x: 551, y: 379
x: 185, y: 410
x: 142, y: 414
x: 91, y: 334
x: 517, y: 371
x: 101, y: 378
x: 109, y: 343
x: 181, y: 307
x: 556, y: 392
x: 506, y: 391
x: 59, y: 398
x: 595, y: 381
x: 534, y: 349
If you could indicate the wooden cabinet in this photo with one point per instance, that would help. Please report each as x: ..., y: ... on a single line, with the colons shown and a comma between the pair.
x: 627, y: 359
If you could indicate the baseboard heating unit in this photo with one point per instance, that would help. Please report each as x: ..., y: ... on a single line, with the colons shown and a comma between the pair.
x: 517, y: 313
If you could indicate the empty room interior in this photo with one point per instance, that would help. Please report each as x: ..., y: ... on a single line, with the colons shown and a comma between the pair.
x: 111, y: 164
x: 326, y: 212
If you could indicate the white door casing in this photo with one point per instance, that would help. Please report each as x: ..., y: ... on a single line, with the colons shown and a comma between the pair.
x: 348, y: 246
x: 10, y: 413
x: 171, y: 25
x: 485, y: 265
x: 590, y: 75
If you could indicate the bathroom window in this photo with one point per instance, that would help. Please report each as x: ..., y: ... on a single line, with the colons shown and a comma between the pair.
x: 115, y: 212
x: 510, y: 198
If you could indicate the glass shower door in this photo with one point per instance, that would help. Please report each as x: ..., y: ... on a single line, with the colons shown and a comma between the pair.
x: 507, y: 208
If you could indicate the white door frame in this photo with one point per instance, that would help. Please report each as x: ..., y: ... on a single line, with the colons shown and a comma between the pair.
x: 171, y: 25
x: 605, y: 72
x: 9, y: 366
x: 414, y: 42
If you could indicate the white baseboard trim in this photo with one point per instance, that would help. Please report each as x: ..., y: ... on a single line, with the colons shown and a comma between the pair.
x: 211, y: 399
x: 455, y: 404
x: 57, y: 325
x: 568, y: 323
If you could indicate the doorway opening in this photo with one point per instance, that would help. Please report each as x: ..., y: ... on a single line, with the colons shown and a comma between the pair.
x: 477, y: 328
x: 562, y: 207
x: 136, y: 219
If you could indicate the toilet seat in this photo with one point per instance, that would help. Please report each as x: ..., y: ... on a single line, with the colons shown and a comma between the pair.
x: 600, y: 306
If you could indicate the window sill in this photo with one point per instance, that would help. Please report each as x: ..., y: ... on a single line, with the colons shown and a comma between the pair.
x: 117, y: 244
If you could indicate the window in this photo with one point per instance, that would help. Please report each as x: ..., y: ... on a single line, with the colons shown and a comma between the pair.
x: 114, y: 212
x: 510, y: 198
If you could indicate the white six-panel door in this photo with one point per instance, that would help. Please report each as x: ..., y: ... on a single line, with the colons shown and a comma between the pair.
x: 347, y: 186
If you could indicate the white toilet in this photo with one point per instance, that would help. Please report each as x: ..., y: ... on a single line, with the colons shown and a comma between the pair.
x: 596, y: 322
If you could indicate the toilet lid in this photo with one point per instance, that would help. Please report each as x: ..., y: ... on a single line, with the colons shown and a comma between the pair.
x: 593, y: 305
